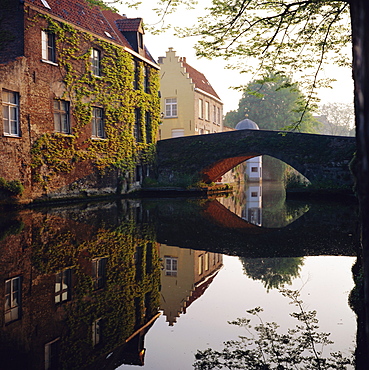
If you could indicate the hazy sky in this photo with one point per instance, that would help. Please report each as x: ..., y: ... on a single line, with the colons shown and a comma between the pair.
x: 220, y: 78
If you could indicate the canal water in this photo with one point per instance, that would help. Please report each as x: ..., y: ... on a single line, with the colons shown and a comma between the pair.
x: 164, y: 283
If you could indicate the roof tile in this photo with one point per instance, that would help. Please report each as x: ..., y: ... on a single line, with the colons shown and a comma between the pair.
x: 199, y: 79
x: 93, y: 19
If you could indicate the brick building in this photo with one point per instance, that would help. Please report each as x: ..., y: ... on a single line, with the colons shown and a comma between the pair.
x: 80, y: 105
x: 73, y: 292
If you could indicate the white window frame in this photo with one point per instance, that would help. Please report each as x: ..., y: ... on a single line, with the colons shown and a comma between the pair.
x: 177, y: 132
x: 201, y: 262
x: 48, y: 46
x: 207, y: 111
x: 50, y: 359
x: 171, y: 107
x: 95, y: 59
x: 171, y: 266
x: 10, y: 103
x: 201, y: 109
x: 12, y: 306
x: 98, y: 130
x: 61, y: 116
x: 96, y: 331
x: 99, y: 272
x: 63, y: 281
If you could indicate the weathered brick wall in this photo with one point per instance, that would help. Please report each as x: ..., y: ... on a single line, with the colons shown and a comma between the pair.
x: 11, y: 30
x: 15, y: 151
x: 38, y: 84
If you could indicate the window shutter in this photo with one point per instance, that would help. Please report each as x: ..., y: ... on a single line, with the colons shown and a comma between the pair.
x: 44, y: 44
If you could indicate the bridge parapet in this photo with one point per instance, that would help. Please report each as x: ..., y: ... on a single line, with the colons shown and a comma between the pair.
x: 323, y: 159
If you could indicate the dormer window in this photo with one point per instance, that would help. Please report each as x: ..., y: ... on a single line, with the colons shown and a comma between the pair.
x: 132, y: 30
x: 140, y: 40
x: 96, y: 62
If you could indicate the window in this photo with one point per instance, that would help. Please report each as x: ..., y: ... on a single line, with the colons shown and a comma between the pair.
x: 63, y: 286
x: 171, y: 107
x: 201, y: 108
x: 254, y: 169
x: 218, y: 120
x: 48, y: 46
x: 201, y: 259
x: 207, y: 256
x: 178, y: 132
x: 214, y: 114
x: 136, y: 66
x: 207, y: 111
x: 148, y: 127
x: 138, y: 260
x: 95, y: 62
x: 146, y: 80
x: 98, y: 122
x: 12, y: 299
x: 140, y: 40
x: 136, y: 128
x: 171, y: 266
x: 96, y: 331
x: 99, y: 272
x: 254, y: 194
x: 11, y: 113
x: 52, y: 354
x: 61, y: 116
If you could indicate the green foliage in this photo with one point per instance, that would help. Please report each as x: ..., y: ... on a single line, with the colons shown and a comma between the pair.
x: 264, y: 348
x: 273, y: 272
x: 274, y: 103
x: 14, y: 187
x: 287, y: 35
x: 337, y: 119
x: 113, y: 91
x: 60, y: 243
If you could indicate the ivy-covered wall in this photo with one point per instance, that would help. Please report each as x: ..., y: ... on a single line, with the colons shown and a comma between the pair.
x: 124, y: 302
x: 77, y: 164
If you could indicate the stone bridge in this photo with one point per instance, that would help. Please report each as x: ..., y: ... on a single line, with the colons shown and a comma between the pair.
x: 322, y: 159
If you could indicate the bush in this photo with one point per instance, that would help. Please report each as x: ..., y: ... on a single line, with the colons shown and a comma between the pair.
x: 14, y: 187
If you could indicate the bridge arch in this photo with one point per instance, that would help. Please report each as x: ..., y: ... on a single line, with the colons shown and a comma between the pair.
x: 320, y: 158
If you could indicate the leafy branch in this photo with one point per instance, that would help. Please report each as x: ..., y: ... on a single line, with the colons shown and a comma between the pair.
x: 264, y: 348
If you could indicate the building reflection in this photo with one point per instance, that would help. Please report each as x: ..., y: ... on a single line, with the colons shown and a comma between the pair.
x: 263, y: 204
x: 185, y: 276
x: 77, y: 294
x: 246, y: 202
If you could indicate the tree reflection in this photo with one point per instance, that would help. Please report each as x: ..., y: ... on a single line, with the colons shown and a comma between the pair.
x: 263, y: 347
x: 273, y: 272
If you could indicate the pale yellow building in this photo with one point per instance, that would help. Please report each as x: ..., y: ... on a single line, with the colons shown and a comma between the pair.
x: 185, y: 276
x: 190, y: 105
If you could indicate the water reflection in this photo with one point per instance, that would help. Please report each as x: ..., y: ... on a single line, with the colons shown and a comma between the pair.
x: 83, y: 286
x: 81, y: 291
x: 263, y: 346
x: 263, y: 204
x: 273, y: 272
x: 186, y: 274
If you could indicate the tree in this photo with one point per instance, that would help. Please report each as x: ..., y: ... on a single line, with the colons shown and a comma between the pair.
x: 274, y: 103
x: 262, y: 347
x: 300, y: 35
x: 273, y: 272
x: 337, y: 119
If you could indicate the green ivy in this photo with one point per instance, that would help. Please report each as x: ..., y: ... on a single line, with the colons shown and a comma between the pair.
x: 55, y: 153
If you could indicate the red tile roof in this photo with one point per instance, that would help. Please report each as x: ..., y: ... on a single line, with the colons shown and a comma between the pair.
x: 199, y: 79
x: 130, y: 24
x: 92, y: 19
